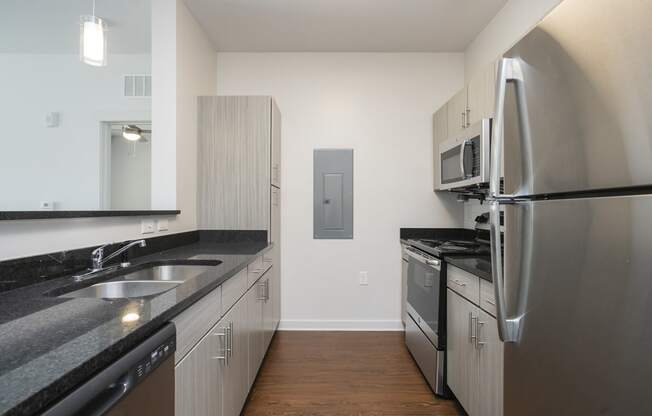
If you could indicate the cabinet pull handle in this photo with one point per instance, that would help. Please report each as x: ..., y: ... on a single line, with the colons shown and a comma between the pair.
x: 266, y: 290
x: 230, y: 344
x: 459, y: 282
x: 463, y: 121
x: 478, y: 343
x: 263, y: 297
x: 492, y: 303
x: 468, y: 117
x: 225, y: 356
x: 472, y: 319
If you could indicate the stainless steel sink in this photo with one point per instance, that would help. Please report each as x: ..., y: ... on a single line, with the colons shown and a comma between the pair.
x: 123, y: 289
x: 168, y: 273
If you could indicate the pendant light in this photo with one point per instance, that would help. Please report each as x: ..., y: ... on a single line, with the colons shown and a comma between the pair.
x: 92, y: 39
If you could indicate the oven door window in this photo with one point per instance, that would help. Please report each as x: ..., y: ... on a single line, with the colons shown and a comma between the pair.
x: 423, y: 292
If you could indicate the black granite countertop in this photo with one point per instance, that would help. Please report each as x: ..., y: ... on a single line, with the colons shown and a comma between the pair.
x: 477, y: 265
x: 49, y: 345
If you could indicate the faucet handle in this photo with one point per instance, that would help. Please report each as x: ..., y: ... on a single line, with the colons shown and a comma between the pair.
x: 97, y: 255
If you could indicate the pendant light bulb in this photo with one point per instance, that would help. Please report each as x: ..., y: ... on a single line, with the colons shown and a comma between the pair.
x: 93, y: 40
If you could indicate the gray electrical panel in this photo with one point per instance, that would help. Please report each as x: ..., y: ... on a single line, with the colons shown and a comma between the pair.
x: 333, y: 193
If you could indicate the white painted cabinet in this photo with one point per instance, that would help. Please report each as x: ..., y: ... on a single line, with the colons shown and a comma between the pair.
x: 474, y: 350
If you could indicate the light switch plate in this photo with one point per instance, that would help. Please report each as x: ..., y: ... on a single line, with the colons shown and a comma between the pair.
x: 147, y: 226
x: 162, y: 225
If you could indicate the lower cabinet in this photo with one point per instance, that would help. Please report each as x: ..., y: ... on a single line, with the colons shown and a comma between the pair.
x: 198, y: 375
x: 474, y: 357
x: 215, y: 376
x: 255, y: 302
x: 271, y: 305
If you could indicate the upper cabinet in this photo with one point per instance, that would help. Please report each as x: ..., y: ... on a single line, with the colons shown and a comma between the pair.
x: 239, y: 152
x: 481, y: 95
x: 457, y: 110
x: 440, y: 133
x: 276, y: 145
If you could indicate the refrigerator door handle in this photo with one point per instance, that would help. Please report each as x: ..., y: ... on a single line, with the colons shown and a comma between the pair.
x: 509, y: 70
x: 508, y: 328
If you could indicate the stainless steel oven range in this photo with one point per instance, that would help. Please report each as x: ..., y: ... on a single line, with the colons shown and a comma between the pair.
x: 425, y: 326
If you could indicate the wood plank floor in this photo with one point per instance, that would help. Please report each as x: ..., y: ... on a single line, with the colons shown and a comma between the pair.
x: 342, y: 373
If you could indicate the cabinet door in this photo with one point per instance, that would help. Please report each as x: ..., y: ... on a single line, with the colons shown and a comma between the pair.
x: 235, y: 382
x: 269, y: 307
x: 275, y: 217
x: 254, y: 299
x: 276, y: 145
x: 481, y: 95
x: 457, y: 113
x: 462, y: 359
x: 198, y: 388
x: 439, y: 134
x: 490, y: 352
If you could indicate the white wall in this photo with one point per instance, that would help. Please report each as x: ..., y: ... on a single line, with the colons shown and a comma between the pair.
x: 514, y: 20
x: 380, y: 105
x: 60, y: 164
x: 181, y: 65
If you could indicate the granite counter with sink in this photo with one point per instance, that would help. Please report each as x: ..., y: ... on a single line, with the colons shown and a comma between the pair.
x: 50, y: 342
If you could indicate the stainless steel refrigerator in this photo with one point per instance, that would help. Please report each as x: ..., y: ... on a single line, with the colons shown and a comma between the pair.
x: 573, y: 127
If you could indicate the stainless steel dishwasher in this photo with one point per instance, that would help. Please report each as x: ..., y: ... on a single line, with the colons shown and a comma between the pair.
x: 139, y: 383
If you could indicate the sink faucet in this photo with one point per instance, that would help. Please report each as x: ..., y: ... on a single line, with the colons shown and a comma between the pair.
x: 98, y: 254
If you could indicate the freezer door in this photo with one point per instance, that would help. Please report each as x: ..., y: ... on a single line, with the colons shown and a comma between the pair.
x: 586, y: 117
x: 579, y: 272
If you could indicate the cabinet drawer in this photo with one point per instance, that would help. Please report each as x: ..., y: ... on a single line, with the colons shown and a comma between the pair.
x: 193, y: 323
x: 464, y: 283
x: 487, y: 297
x: 233, y: 289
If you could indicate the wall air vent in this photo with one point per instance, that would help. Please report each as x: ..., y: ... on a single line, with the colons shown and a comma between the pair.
x: 137, y: 85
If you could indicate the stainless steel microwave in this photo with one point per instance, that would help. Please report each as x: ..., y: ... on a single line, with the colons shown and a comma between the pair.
x: 464, y: 160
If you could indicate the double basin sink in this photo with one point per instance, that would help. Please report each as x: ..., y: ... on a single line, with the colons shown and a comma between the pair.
x: 143, y: 280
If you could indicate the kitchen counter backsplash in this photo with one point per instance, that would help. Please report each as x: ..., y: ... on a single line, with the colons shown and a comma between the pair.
x: 16, y: 273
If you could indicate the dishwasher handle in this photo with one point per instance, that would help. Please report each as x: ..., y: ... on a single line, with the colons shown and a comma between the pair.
x: 110, y: 397
x: 104, y: 390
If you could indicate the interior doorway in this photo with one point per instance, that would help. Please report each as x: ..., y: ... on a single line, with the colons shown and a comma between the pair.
x: 126, y: 168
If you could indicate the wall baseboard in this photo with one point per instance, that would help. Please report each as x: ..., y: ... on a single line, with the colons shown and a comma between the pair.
x: 342, y: 325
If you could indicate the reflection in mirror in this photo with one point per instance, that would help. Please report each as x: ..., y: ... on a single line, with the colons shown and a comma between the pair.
x: 68, y: 87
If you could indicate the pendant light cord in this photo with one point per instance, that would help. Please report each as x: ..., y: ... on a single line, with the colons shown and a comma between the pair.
x: 93, y: 8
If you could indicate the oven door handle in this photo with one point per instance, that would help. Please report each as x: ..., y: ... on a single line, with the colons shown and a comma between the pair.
x: 434, y: 263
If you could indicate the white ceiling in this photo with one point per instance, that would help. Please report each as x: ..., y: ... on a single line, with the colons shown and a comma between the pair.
x: 52, y: 26
x: 343, y: 25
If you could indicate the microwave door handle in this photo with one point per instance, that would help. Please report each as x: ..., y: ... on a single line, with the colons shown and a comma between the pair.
x: 462, y: 153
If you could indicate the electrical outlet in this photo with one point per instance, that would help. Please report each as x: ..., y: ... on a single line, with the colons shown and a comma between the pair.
x: 364, y: 279
x: 147, y: 226
x: 162, y: 225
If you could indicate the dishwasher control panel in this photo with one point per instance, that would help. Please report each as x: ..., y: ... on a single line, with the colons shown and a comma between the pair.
x: 155, y: 358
